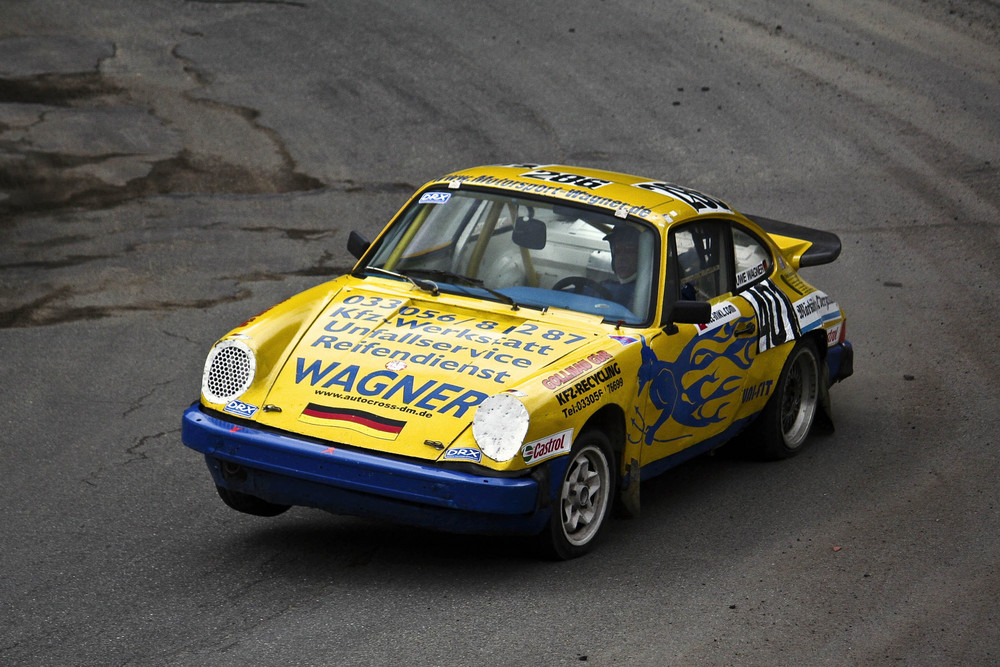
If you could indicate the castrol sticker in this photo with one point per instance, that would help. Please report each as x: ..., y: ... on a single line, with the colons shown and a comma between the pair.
x: 547, y: 447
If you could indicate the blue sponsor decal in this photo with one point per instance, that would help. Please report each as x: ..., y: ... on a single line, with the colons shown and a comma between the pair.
x: 694, y: 399
x: 434, y: 198
x: 442, y: 397
x: 463, y: 454
x: 240, y: 409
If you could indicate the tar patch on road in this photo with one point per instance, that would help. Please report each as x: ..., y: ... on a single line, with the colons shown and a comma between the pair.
x: 75, y: 139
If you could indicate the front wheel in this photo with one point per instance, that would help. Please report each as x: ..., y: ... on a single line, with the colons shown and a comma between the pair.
x: 782, y: 427
x: 585, y: 498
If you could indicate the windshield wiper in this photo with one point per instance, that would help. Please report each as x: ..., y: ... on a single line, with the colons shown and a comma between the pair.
x: 426, y: 285
x: 467, y: 280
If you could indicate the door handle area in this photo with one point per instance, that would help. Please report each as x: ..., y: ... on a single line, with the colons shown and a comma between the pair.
x: 747, y: 329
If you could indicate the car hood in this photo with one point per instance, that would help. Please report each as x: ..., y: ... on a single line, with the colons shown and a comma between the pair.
x: 402, y: 374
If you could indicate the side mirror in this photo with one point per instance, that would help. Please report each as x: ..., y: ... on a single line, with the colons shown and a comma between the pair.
x: 357, y: 245
x: 688, y: 312
x: 529, y: 233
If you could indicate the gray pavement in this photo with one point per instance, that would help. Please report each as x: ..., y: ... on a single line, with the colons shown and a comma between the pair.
x: 172, y: 167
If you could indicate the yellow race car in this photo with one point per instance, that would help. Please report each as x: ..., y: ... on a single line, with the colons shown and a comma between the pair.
x: 517, y: 350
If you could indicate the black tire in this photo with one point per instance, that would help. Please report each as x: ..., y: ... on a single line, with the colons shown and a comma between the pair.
x: 586, y: 496
x: 783, y: 426
x: 244, y: 502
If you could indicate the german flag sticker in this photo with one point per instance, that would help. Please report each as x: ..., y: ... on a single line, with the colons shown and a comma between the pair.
x: 356, y: 420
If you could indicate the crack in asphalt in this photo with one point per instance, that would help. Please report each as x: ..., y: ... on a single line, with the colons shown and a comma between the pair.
x: 294, y: 234
x: 135, y: 451
x: 69, y: 260
x: 85, y: 141
x: 42, y: 312
x: 287, y: 178
x: 35, y: 179
x: 139, y: 402
x: 171, y: 334
x: 287, y: 3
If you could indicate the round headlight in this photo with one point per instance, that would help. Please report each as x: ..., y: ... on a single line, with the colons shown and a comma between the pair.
x: 499, y: 426
x: 229, y: 371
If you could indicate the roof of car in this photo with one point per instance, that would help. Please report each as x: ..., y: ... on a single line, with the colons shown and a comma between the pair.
x: 656, y: 201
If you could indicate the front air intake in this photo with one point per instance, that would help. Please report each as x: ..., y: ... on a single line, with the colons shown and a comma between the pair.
x: 229, y: 370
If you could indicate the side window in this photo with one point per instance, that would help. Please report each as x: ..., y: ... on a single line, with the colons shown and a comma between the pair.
x: 753, y: 260
x: 703, y: 268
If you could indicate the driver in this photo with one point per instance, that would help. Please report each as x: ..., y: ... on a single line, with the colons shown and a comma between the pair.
x: 624, y: 242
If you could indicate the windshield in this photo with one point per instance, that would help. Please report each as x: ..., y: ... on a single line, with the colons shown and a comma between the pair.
x: 524, y: 252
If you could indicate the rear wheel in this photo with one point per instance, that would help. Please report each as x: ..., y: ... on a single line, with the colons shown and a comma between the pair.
x: 244, y: 502
x: 783, y: 426
x: 585, y: 498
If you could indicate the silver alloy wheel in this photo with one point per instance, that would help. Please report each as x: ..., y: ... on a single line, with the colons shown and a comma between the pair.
x: 585, y: 495
x: 800, y: 398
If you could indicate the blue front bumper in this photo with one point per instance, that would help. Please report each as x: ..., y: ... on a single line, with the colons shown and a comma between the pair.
x: 287, y: 470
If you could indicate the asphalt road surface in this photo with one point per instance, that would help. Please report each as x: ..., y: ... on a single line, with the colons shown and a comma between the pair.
x: 170, y: 168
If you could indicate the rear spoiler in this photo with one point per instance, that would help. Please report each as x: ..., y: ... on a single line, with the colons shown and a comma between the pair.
x: 802, y: 246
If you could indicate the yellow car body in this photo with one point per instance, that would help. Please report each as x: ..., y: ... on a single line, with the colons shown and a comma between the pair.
x: 465, y: 355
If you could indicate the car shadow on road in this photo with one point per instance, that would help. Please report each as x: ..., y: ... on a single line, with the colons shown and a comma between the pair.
x: 725, y: 489
x: 313, y: 536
